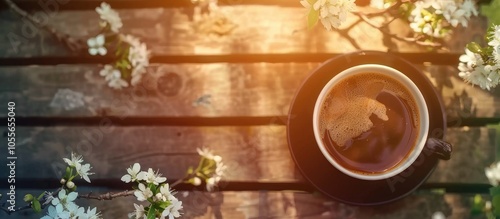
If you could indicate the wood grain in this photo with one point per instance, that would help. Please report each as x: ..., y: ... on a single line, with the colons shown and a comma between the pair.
x: 255, y: 153
x: 207, y: 90
x: 171, y: 31
x: 287, y: 204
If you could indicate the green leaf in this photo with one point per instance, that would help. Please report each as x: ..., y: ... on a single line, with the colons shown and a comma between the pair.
x: 152, y: 212
x: 163, y: 205
x: 36, y: 206
x: 153, y: 187
x: 474, y: 47
x: 496, y: 205
x: 494, y: 191
x: 312, y: 18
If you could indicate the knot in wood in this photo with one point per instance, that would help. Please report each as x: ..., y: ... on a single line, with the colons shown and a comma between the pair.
x: 170, y: 84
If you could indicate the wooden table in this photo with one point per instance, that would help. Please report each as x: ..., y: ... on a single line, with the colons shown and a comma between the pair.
x: 230, y: 92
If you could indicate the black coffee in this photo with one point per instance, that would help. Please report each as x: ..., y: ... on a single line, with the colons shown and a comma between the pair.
x: 369, y: 123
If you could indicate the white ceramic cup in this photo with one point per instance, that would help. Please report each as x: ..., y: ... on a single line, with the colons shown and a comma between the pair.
x: 422, y: 109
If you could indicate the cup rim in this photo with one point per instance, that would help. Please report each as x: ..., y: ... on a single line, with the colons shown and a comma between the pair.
x: 421, y: 105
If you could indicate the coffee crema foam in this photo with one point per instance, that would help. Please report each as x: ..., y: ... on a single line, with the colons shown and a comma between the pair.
x: 347, y: 108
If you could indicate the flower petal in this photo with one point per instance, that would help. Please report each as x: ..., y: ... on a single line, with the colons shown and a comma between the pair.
x: 100, y: 39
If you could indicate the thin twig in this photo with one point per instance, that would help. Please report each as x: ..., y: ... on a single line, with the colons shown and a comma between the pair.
x: 74, y: 45
x: 406, y: 39
x: 107, y: 196
x: 386, y: 24
x: 112, y: 195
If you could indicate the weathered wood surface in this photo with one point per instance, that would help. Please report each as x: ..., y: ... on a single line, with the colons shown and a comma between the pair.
x: 208, y: 90
x: 255, y: 153
x: 287, y: 204
x: 170, y: 31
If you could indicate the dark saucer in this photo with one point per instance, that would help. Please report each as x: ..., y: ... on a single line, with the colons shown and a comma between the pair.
x: 326, y: 178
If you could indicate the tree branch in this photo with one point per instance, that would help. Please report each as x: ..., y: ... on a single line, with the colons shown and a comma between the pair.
x: 72, y: 44
x: 107, y: 196
x: 112, y: 195
x: 405, y: 39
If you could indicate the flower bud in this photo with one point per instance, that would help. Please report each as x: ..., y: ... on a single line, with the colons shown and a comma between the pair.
x: 487, y: 205
x: 196, y: 181
x: 70, y: 184
x: 28, y: 198
x: 217, y: 158
x: 63, y: 181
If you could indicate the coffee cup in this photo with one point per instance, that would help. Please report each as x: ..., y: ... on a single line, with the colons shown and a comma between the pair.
x: 371, y: 122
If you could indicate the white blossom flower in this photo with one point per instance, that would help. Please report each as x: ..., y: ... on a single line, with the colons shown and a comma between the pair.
x: 113, y: 76
x: 76, y: 212
x: 469, y: 6
x: 108, y: 72
x: 172, y: 211
x: 117, y: 83
x: 143, y: 192
x: 155, y: 178
x: 64, y: 201
x: 133, y: 172
x: 75, y: 159
x: 453, y: 12
x: 138, y: 213
x: 91, y: 214
x: 83, y: 171
x: 205, y: 152
x: 471, y: 59
x: 109, y: 16
x: 54, y: 213
x: 211, y: 183
x: 218, y: 170
x: 96, y: 45
x: 165, y: 190
x: 138, y: 57
x: 455, y: 15
x: 332, y: 13
x: 473, y: 70
x: 496, y: 54
x: 494, y: 42
x: 493, y: 173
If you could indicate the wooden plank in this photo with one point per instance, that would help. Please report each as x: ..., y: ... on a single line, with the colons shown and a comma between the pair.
x: 210, y: 90
x: 252, y: 153
x: 170, y: 31
x: 255, y: 153
x: 206, y: 90
x: 287, y: 204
